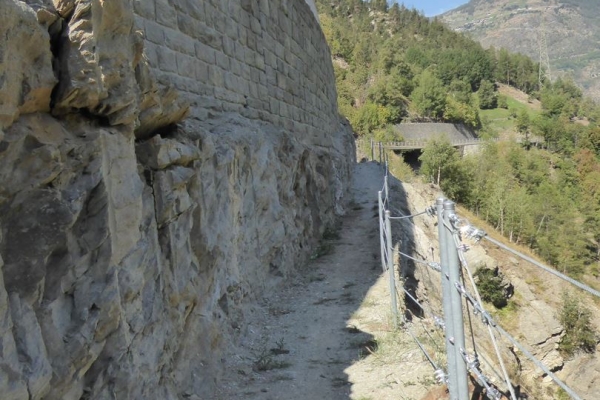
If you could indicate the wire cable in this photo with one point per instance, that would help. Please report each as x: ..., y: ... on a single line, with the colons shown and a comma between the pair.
x: 430, y: 264
x: 463, y: 260
x: 490, y: 321
x: 438, y: 321
x: 544, y: 267
x: 409, y: 216
x: 429, y: 358
x: 538, y: 363
x: 473, y: 366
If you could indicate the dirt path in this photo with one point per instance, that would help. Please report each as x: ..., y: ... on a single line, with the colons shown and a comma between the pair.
x: 328, y: 336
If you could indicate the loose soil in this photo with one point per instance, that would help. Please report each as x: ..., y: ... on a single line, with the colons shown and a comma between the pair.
x: 329, y: 334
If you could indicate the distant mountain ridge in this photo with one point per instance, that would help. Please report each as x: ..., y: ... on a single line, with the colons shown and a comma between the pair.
x: 571, y: 29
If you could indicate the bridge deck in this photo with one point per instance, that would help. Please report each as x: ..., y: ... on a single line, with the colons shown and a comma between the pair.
x: 420, y: 144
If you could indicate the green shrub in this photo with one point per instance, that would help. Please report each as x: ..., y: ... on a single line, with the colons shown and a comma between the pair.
x: 577, y: 323
x: 502, y: 102
x: 492, y: 287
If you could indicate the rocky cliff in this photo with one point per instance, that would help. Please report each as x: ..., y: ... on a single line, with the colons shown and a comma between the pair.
x: 162, y: 163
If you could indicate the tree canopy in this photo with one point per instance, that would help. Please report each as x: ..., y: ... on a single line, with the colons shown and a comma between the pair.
x: 392, y: 64
x: 413, y: 67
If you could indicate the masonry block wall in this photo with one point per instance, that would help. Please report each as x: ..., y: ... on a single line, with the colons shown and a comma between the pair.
x: 267, y: 60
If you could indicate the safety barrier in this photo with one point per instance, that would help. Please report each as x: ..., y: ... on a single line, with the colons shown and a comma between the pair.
x: 460, y: 360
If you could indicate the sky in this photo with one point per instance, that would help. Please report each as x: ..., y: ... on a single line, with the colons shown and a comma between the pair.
x: 432, y: 7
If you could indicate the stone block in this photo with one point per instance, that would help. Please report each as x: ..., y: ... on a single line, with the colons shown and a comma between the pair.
x: 180, y: 42
x: 201, y: 71
x: 255, y: 25
x: 220, y: 20
x: 187, y: 25
x: 256, y: 104
x: 203, y: 89
x: 235, y: 67
x: 232, y: 107
x: 239, y: 51
x: 252, y: 42
x: 222, y: 61
x: 249, y: 56
x: 215, y: 76
x: 230, y: 81
x: 271, y: 76
x: 250, y: 113
x: 208, y: 36
x: 254, y: 74
x: 228, y: 96
x: 270, y: 58
x: 150, y: 52
x: 245, y: 19
x: 253, y: 89
x: 144, y: 8
x: 282, y: 80
x: 193, y: 9
x: 279, y: 50
x: 205, y: 53
x: 231, y: 29
x: 283, y: 110
x: 259, y: 61
x: 138, y: 22
x: 234, y: 12
x: 154, y: 32
x: 274, y: 106
x: 207, y: 102
x: 243, y: 86
x: 166, y: 14
x: 186, y: 65
x: 245, y: 70
x: 228, y: 46
x: 167, y: 59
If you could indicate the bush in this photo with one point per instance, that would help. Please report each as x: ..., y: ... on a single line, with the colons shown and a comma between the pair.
x: 488, y: 98
x: 502, y: 102
x: 492, y: 287
x: 577, y: 323
x: 387, y: 134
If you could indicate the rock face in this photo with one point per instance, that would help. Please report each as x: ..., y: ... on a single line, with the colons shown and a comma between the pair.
x: 161, y: 164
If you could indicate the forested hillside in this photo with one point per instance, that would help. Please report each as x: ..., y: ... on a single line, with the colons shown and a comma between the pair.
x: 569, y: 28
x: 394, y: 65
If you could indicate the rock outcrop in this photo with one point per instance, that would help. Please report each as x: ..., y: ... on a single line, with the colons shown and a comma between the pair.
x: 161, y: 165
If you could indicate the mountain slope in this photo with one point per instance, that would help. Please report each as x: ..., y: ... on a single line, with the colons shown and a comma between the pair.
x: 571, y: 29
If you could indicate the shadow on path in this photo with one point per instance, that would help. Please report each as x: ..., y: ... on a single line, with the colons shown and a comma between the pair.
x: 302, y: 333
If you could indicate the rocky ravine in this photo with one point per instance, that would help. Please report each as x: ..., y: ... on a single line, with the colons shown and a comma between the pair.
x: 131, y: 237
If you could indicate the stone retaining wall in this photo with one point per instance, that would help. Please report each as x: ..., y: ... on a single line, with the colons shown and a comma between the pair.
x: 265, y: 60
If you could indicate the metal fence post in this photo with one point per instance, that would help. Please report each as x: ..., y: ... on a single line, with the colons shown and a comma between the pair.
x: 388, y: 227
x: 372, y: 150
x: 387, y: 189
x: 456, y: 301
x: 382, y: 242
x: 446, y: 292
